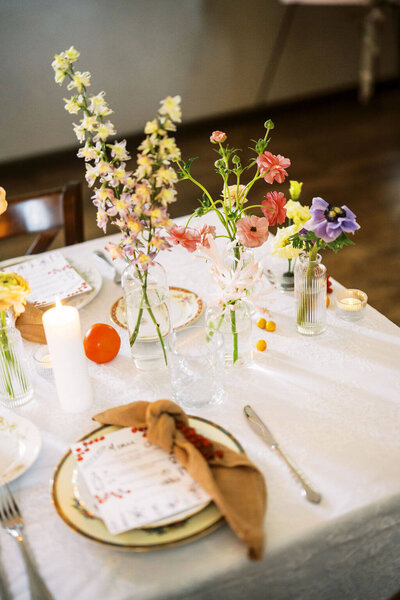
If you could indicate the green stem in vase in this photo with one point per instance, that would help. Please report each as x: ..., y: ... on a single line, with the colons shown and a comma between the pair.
x: 235, y: 340
x: 145, y: 300
x: 8, y: 358
x: 305, y: 299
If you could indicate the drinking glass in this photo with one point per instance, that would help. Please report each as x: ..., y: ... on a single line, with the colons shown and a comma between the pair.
x: 196, y: 365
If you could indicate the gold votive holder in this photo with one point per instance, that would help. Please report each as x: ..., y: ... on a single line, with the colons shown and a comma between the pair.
x: 351, y: 304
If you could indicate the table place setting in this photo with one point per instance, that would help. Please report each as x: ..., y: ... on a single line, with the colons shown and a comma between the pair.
x: 154, y: 396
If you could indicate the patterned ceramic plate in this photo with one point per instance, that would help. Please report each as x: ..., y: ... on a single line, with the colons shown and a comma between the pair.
x: 20, y: 444
x: 185, y: 306
x: 154, y: 538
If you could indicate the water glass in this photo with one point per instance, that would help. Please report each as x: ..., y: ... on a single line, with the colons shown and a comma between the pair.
x: 196, y: 366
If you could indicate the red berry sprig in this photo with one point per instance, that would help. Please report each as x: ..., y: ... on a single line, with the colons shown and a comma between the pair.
x: 203, y: 444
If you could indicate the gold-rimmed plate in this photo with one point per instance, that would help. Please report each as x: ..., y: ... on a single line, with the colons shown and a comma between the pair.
x: 185, y: 308
x: 178, y: 532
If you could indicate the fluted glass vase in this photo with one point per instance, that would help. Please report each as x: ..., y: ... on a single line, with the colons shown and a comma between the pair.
x: 310, y: 292
x: 15, y: 384
x: 146, y: 299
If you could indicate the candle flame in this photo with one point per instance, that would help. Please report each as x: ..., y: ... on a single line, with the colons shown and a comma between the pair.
x: 58, y: 303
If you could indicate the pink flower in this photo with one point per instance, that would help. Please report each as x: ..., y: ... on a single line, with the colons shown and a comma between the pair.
x: 273, y: 167
x: 218, y: 137
x: 252, y: 231
x: 205, y: 232
x: 273, y: 208
x: 184, y: 236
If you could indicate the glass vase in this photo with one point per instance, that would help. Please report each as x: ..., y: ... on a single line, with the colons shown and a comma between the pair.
x: 235, y: 324
x: 15, y: 384
x: 146, y: 298
x: 310, y: 292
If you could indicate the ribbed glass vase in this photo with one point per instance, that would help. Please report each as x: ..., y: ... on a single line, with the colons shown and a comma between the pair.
x: 310, y: 292
x: 15, y: 385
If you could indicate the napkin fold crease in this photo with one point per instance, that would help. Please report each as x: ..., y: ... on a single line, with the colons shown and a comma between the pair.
x: 234, y: 483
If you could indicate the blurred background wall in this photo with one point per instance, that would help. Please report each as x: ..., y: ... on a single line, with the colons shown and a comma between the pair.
x: 211, y: 52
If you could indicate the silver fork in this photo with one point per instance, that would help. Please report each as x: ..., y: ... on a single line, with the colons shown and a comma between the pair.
x: 13, y: 523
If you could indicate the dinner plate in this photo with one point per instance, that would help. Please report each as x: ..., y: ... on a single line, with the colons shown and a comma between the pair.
x: 185, y: 308
x: 89, y: 274
x: 177, y: 532
x: 94, y: 279
x: 20, y: 444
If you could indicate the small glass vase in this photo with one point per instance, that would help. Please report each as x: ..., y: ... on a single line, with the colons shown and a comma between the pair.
x: 310, y: 292
x: 279, y: 275
x: 146, y: 298
x: 15, y: 384
x: 235, y: 324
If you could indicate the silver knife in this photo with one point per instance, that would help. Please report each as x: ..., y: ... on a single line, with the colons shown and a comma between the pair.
x: 4, y: 592
x: 262, y: 430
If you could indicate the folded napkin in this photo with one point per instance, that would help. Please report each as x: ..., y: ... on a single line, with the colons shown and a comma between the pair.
x: 30, y: 324
x: 234, y: 483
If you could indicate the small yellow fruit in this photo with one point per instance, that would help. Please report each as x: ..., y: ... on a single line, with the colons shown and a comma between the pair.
x: 327, y: 301
x: 261, y: 345
x: 271, y: 326
x: 261, y: 323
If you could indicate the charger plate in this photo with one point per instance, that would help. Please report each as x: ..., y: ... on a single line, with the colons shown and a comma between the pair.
x: 185, y: 308
x: 176, y: 532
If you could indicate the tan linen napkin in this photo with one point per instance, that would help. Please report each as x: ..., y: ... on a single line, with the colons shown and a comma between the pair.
x: 234, y: 483
x: 30, y: 324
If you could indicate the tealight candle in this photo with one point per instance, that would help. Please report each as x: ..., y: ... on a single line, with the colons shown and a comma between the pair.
x: 350, y: 304
x: 63, y: 333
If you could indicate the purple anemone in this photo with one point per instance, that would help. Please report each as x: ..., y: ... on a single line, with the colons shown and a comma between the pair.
x: 328, y: 221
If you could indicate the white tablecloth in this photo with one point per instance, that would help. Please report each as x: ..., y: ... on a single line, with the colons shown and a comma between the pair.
x: 333, y: 402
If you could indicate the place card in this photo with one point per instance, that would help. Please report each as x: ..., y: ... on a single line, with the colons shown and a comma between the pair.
x: 51, y: 277
x: 134, y: 483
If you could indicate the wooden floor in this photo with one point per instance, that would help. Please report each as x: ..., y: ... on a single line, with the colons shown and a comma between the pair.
x: 343, y: 152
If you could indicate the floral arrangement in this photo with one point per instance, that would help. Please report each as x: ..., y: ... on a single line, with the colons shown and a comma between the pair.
x: 241, y: 226
x: 14, y: 291
x: 135, y: 202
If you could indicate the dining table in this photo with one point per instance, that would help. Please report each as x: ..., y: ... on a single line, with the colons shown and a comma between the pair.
x: 333, y: 403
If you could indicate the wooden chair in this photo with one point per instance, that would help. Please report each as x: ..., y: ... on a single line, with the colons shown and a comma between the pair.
x: 45, y: 213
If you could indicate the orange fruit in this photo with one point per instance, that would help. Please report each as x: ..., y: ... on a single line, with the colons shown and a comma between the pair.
x: 101, y: 343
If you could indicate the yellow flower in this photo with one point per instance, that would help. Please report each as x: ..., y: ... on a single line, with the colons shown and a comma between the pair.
x: 165, y: 176
x: 235, y: 191
x: 14, y: 291
x: 72, y: 54
x: 3, y: 201
x: 151, y: 127
x: 295, y: 189
x: 281, y: 245
x: 170, y: 107
x: 297, y: 212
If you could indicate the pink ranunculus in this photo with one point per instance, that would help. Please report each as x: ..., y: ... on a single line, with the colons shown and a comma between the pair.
x: 273, y: 167
x: 218, y: 137
x: 252, y: 231
x: 184, y: 236
x: 206, y: 231
x: 273, y: 208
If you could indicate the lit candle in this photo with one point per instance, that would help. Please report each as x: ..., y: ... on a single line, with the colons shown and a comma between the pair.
x: 350, y: 304
x: 63, y: 333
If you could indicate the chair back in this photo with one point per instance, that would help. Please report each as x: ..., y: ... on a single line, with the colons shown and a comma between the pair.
x: 45, y: 213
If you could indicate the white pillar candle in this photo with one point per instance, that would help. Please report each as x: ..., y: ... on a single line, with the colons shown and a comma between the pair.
x: 63, y: 333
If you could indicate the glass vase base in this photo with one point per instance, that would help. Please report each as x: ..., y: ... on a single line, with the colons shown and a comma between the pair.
x: 244, y: 359
x: 149, y: 363
x: 19, y: 400
x: 310, y: 329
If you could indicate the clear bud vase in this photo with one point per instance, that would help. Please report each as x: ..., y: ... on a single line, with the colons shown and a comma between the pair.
x: 15, y: 384
x: 146, y: 299
x: 235, y: 324
x: 310, y: 292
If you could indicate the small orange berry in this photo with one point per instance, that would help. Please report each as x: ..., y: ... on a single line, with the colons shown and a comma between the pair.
x: 261, y: 323
x: 261, y: 345
x: 271, y: 326
x: 327, y: 301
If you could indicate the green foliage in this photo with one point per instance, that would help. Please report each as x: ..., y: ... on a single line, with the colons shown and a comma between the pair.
x: 306, y: 241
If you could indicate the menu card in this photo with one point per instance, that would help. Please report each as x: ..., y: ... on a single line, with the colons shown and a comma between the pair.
x: 134, y: 483
x: 51, y: 277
